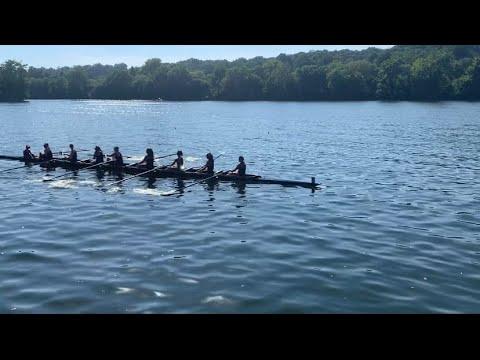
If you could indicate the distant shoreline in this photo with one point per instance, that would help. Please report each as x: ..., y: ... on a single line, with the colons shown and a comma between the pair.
x: 259, y: 100
x: 428, y: 73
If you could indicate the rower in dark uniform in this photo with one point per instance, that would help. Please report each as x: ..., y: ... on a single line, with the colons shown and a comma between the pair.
x: 148, y: 160
x: 209, y: 166
x: 117, y: 158
x: 241, y: 168
x: 27, y: 154
x: 178, y: 162
x: 98, y: 155
x: 47, y: 153
x: 72, y: 157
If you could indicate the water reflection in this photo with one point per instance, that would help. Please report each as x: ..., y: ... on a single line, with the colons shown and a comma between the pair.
x: 100, y: 173
x: 151, y: 182
x: 180, y: 184
x: 240, y: 187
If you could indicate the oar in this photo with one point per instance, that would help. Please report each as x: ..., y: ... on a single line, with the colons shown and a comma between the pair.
x: 196, y: 168
x: 134, y: 176
x: 145, y: 172
x: 71, y: 172
x: 23, y: 166
x: 67, y: 151
x: 158, y: 157
x: 18, y: 167
x: 173, y: 192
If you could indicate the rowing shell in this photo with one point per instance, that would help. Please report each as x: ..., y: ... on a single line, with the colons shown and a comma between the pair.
x: 171, y: 173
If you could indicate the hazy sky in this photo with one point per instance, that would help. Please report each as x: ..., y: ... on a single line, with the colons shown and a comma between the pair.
x: 135, y: 55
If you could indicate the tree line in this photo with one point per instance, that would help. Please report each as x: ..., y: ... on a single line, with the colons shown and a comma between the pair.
x: 424, y: 73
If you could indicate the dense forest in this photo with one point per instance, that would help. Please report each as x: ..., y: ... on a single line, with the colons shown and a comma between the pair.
x: 399, y: 73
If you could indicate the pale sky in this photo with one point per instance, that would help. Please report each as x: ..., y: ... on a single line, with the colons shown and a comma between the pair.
x: 135, y: 55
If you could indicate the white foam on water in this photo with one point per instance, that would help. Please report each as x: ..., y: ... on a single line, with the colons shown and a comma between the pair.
x: 216, y: 300
x: 135, y: 158
x: 159, y: 294
x: 114, y: 189
x: 167, y: 193
x: 63, y: 184
x: 88, y: 182
x: 191, y: 159
x: 152, y: 192
x: 188, y: 281
x: 123, y: 290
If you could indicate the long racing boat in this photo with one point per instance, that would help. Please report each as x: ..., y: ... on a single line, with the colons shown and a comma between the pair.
x: 165, y: 172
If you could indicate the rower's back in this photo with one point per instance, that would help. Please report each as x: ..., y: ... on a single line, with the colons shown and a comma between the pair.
x: 210, y: 165
x: 98, y: 155
x: 118, y: 158
x: 47, y: 154
x: 242, y: 169
x: 178, y: 162
x: 27, y: 154
x: 149, y: 159
x: 73, y: 155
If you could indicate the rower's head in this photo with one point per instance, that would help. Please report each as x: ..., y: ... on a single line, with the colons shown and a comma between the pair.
x: 241, y: 159
x: 45, y: 146
x: 116, y: 149
x: 150, y: 152
x: 70, y: 146
x: 97, y: 148
x: 209, y: 156
x: 27, y: 147
x: 179, y: 153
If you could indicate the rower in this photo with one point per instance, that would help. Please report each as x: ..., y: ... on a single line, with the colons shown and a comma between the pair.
x: 72, y: 157
x: 117, y: 158
x: 209, y: 166
x: 148, y: 160
x: 98, y: 155
x: 47, y: 153
x: 178, y: 162
x: 27, y: 154
x: 241, y: 168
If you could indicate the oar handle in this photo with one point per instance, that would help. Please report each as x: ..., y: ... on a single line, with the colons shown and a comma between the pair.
x: 199, y: 167
x: 203, y: 180
x: 164, y: 156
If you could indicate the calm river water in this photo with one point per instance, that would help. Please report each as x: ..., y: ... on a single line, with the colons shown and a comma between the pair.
x: 395, y: 227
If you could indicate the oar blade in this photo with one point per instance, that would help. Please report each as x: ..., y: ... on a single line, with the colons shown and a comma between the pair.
x: 169, y: 193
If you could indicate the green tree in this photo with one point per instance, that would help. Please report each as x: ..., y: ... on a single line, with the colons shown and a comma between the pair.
x: 117, y: 85
x: 12, y: 81
x: 312, y: 82
x: 77, y: 83
x: 239, y: 84
x: 351, y: 81
x: 279, y: 81
x: 429, y: 79
x: 468, y: 86
x: 393, y: 80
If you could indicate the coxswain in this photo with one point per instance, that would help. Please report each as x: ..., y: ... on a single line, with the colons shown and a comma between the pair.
x: 47, y: 153
x: 209, y: 166
x: 117, y: 158
x: 148, y: 160
x: 178, y: 162
x: 72, y: 157
x: 98, y: 155
x: 27, y: 154
x: 241, y: 168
